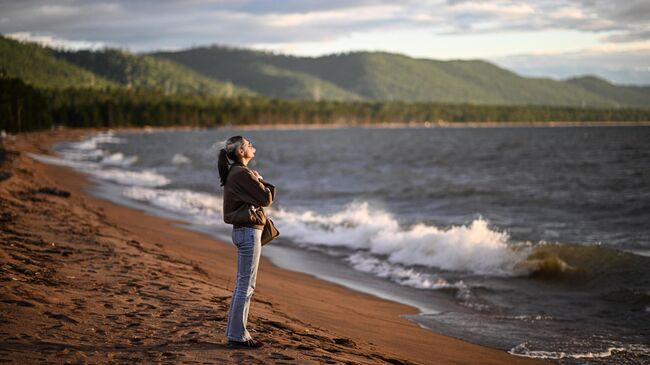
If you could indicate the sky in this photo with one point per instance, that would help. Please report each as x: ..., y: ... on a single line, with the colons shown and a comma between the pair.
x: 542, y: 38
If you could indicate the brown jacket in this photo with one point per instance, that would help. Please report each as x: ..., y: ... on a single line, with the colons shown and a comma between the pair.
x: 244, y: 195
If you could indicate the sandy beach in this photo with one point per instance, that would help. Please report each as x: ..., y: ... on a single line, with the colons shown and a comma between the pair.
x: 85, y: 280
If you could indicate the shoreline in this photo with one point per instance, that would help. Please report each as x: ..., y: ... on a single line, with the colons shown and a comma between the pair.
x: 441, y: 124
x: 289, y: 126
x: 140, y: 261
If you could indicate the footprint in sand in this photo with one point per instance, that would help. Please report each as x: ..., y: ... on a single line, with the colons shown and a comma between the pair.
x: 61, y: 317
x: 279, y: 356
x: 20, y: 303
x: 345, y: 342
x: 147, y: 306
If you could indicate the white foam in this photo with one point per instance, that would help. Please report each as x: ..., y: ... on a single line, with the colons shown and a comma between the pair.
x: 88, y: 149
x: 98, y: 138
x: 180, y: 159
x: 118, y: 159
x: 138, y: 178
x: 82, y: 155
x: 400, y: 274
x: 472, y: 248
x: 527, y: 317
x: 78, y: 158
x: 523, y: 350
x: 122, y: 177
x: 201, y: 207
x: 80, y: 165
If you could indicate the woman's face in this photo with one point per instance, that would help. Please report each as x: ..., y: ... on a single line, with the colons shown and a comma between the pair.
x: 247, y: 150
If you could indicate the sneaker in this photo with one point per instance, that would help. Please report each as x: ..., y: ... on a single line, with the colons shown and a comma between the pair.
x: 250, y: 344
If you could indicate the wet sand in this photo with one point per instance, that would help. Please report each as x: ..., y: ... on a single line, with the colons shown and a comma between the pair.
x: 85, y: 280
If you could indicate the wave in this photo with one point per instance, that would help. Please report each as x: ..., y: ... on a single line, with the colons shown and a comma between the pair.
x: 388, y: 249
x: 543, y: 264
x: 118, y: 159
x: 91, y: 142
x: 139, y: 178
x: 203, y: 208
x: 589, y: 265
x: 523, y: 350
x: 88, y: 149
x: 85, y: 156
x: 123, y: 177
x: 82, y: 155
x: 76, y: 164
x: 400, y: 274
x: 180, y: 159
x: 473, y: 248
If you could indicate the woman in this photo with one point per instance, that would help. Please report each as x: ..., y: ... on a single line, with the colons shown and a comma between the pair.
x: 244, y: 195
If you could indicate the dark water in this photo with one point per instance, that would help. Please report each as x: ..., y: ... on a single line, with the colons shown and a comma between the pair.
x: 535, y: 240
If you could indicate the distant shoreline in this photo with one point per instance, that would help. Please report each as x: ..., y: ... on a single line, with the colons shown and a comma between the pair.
x: 287, y: 126
x: 438, y: 125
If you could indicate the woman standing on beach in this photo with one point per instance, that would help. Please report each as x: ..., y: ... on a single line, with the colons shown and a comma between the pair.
x: 244, y: 195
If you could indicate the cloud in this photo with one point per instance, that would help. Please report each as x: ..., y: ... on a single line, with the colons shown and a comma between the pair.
x: 631, y: 36
x: 54, y: 42
x: 617, y: 66
x: 149, y: 24
x: 373, y: 13
x: 629, y: 11
x: 507, y: 15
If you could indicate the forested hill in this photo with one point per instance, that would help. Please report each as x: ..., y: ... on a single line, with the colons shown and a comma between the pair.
x: 624, y: 95
x: 148, y: 72
x: 382, y: 76
x: 359, y: 76
x: 271, y: 75
x: 39, y: 66
x: 113, y: 69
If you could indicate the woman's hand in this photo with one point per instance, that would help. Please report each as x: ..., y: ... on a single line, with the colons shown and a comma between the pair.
x: 257, y: 174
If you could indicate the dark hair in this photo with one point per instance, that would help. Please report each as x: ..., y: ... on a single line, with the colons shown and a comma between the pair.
x: 229, y: 152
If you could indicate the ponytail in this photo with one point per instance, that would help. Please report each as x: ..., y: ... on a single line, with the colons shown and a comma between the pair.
x: 223, y: 166
x: 227, y: 154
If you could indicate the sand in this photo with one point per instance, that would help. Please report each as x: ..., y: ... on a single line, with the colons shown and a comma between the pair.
x: 86, y: 280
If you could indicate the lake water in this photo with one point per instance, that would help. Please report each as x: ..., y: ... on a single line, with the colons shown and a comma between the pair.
x: 531, y: 239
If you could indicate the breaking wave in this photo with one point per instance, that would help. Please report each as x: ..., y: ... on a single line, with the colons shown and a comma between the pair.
x: 118, y: 159
x: 473, y: 248
x: 180, y: 159
x: 138, y: 178
x: 203, y: 208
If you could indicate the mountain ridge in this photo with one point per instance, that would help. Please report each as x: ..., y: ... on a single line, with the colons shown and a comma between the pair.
x: 222, y: 71
x: 134, y: 70
x: 383, y: 76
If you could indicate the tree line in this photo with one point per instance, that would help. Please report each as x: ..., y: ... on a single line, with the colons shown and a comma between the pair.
x: 25, y: 108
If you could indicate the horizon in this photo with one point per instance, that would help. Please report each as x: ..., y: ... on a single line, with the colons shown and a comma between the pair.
x: 558, y: 39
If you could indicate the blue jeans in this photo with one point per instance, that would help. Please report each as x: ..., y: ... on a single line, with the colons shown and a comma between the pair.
x: 249, y: 248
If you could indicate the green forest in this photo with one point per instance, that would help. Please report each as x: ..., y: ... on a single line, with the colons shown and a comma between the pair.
x: 25, y: 108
